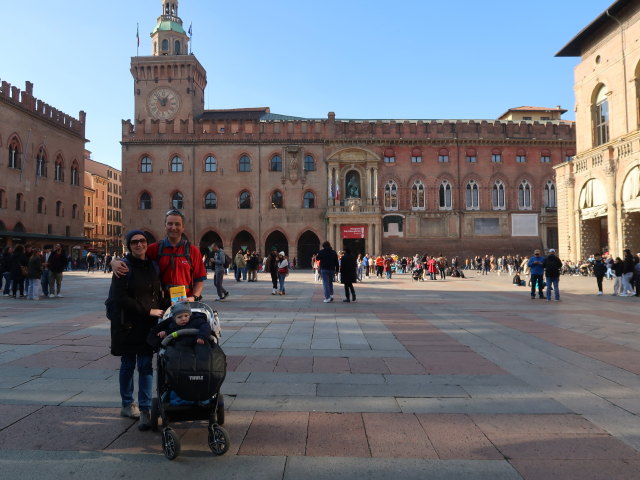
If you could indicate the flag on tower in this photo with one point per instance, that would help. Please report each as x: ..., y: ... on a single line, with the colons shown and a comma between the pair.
x: 190, y: 30
x: 138, y: 33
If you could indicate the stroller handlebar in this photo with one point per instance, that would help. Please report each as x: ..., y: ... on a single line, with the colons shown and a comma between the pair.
x: 179, y: 333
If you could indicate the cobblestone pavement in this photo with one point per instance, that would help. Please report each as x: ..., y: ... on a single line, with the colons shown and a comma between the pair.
x: 462, y: 378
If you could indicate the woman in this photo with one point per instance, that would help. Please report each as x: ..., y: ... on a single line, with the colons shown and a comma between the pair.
x: 283, y: 271
x: 18, y: 260
x: 272, y: 266
x: 348, y: 275
x: 139, y: 296
x: 35, y: 273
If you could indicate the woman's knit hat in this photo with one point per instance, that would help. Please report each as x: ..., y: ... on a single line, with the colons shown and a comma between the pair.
x: 130, y: 235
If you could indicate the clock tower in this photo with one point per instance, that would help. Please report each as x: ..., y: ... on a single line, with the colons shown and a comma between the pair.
x: 168, y: 85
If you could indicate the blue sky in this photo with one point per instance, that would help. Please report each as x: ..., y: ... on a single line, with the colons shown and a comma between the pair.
x: 407, y: 59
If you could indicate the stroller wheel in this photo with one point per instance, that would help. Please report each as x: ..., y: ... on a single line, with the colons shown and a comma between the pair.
x: 154, y: 414
x: 218, y: 440
x: 220, y: 410
x: 170, y: 444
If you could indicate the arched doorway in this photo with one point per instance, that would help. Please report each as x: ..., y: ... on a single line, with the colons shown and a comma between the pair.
x: 207, y: 240
x: 308, y: 246
x: 150, y: 237
x: 244, y: 241
x: 278, y: 241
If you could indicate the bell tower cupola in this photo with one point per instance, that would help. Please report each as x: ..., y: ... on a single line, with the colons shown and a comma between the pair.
x: 169, y: 37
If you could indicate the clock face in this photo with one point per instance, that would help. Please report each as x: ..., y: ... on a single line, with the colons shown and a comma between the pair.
x: 163, y: 103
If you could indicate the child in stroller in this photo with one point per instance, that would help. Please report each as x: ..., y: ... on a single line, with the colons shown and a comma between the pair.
x: 416, y: 273
x: 190, y: 372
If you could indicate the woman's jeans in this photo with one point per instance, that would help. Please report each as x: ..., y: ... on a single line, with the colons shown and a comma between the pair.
x: 145, y: 379
x: 281, y: 277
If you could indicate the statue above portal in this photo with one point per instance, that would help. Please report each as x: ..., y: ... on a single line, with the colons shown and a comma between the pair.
x: 353, y: 185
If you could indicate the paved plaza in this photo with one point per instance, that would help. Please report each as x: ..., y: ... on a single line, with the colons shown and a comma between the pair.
x: 456, y: 379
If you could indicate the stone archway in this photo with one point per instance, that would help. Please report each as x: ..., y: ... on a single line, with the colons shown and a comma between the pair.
x: 208, y: 239
x: 243, y: 241
x: 277, y: 240
x: 308, y: 246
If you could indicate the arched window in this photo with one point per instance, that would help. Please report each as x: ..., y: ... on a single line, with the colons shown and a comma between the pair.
x: 41, y: 163
x: 165, y: 45
x: 3, y: 199
x: 276, y: 199
x: 418, y: 196
x: 245, y: 164
x: 601, y: 117
x: 309, y: 164
x: 59, y: 169
x: 145, y: 201
x: 74, y: 211
x: 444, y: 196
x: 146, y: 166
x: 391, y: 195
x: 176, y: 164
x: 498, y: 201
x: 177, y: 47
x: 276, y: 164
x: 210, y: 164
x: 19, y: 201
x: 244, y: 201
x: 41, y: 208
x: 59, y: 212
x: 75, y: 177
x: 309, y: 200
x: 524, y: 196
x: 177, y: 201
x: 550, y: 195
x: 14, y: 154
x: 472, y: 196
x: 210, y: 200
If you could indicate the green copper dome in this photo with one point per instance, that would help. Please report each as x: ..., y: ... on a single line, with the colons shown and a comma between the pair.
x: 169, y: 26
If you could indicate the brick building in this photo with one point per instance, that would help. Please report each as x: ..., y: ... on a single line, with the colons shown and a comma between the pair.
x: 252, y: 178
x: 41, y: 171
x: 103, y: 213
x: 599, y: 190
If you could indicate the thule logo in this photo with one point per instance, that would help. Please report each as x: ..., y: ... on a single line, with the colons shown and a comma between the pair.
x: 196, y: 377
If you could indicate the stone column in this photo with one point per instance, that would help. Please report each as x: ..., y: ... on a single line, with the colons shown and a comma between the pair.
x: 572, y: 219
x: 612, y: 210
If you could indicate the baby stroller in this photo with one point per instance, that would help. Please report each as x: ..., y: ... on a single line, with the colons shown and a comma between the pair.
x: 416, y: 274
x: 188, y: 384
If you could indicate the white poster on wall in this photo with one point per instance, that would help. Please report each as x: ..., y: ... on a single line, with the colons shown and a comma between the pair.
x: 524, y: 225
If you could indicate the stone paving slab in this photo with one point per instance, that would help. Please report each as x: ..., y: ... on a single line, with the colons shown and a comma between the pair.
x: 468, y: 375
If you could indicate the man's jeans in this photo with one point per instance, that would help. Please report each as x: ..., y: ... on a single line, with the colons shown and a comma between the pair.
x: 536, y: 279
x: 145, y: 379
x: 327, y: 282
x: 217, y: 282
x: 553, y: 281
x: 7, y: 285
x: 44, y: 282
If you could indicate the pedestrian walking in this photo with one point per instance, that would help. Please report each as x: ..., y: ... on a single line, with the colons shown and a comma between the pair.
x: 348, y: 275
x: 552, y: 266
x: 329, y: 265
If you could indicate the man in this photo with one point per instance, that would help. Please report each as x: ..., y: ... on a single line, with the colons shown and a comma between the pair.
x: 179, y: 261
x: 218, y: 276
x: 329, y: 265
x: 44, y: 280
x: 552, y: 266
x: 536, y: 267
x: 348, y: 275
x: 628, y: 265
x: 599, y: 270
x: 241, y: 265
x: 56, y: 264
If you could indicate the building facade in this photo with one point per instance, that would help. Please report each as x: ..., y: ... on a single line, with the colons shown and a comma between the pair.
x: 599, y: 190
x: 103, y: 213
x: 41, y: 171
x: 249, y: 178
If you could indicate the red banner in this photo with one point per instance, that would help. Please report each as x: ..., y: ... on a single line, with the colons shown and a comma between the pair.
x: 354, y: 232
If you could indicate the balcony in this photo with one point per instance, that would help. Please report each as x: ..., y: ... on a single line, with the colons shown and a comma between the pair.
x: 353, y: 206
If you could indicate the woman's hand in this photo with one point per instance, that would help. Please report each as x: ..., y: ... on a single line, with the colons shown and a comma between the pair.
x: 156, y: 312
